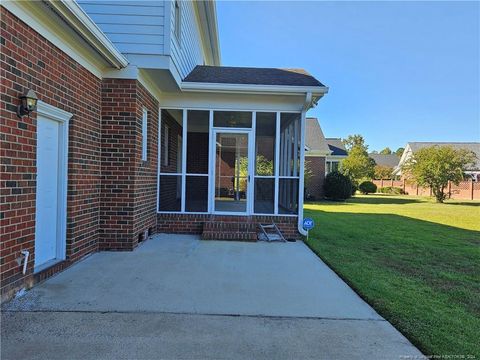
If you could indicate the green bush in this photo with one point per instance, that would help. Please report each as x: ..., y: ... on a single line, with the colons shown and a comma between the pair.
x: 367, y: 187
x: 391, y: 190
x: 337, y: 186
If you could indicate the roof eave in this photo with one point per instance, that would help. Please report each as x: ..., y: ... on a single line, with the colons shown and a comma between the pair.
x: 74, y: 15
x: 208, y: 24
x: 317, y: 91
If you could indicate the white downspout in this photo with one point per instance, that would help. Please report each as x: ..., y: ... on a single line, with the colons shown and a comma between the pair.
x: 306, y: 106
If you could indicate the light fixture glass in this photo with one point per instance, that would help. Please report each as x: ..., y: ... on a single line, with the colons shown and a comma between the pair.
x: 28, y: 103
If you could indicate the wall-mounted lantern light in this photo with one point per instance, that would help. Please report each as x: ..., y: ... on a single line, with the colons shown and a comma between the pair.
x: 28, y: 103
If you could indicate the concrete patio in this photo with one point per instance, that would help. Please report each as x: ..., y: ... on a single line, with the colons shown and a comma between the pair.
x: 178, y: 297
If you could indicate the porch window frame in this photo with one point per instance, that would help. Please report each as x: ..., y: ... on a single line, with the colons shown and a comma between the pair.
x: 252, y: 138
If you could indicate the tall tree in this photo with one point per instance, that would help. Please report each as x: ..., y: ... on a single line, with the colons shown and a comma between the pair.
x: 358, y: 165
x: 386, y: 151
x: 435, y: 166
x: 354, y: 140
x: 399, y: 151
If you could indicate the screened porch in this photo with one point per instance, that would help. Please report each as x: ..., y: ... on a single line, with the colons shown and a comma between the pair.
x: 229, y: 162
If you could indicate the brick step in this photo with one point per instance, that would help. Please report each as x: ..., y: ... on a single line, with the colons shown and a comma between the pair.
x: 229, y: 230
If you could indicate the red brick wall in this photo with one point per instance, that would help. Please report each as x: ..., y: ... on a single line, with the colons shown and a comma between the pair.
x: 128, y: 199
x: 111, y: 196
x: 29, y: 61
x: 145, y: 190
x: 193, y: 223
x: 314, y: 189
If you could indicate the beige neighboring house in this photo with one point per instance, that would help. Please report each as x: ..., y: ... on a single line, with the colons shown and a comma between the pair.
x: 316, y: 153
x: 412, y: 147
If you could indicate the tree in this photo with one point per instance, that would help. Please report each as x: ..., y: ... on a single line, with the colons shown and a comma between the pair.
x: 386, y: 151
x: 354, y: 140
x: 358, y: 165
x: 435, y: 166
x: 383, y: 172
x: 399, y: 151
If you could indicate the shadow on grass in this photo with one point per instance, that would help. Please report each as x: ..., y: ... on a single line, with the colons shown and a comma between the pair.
x: 382, y: 256
x: 370, y: 199
x: 465, y: 203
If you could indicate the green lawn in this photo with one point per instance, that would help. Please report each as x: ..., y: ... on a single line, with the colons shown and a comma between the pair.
x: 416, y: 262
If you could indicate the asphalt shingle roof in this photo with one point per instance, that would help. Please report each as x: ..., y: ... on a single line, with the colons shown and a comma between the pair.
x: 336, y: 146
x: 390, y: 160
x: 314, y: 138
x: 252, y: 76
x: 472, y: 146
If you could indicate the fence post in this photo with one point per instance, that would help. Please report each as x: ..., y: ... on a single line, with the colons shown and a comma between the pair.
x: 471, y: 189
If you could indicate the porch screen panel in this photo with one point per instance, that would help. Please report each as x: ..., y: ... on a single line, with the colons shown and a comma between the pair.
x: 170, y: 198
x: 289, y: 163
x: 265, y: 140
x: 196, y: 186
x: 171, y: 141
x: 236, y: 119
x: 197, y: 141
x: 171, y: 154
x: 196, y: 194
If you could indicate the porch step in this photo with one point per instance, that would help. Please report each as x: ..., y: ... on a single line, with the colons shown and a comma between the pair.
x: 270, y: 232
x: 229, y: 230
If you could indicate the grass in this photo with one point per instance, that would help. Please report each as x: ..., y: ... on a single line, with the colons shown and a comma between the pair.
x: 415, y: 261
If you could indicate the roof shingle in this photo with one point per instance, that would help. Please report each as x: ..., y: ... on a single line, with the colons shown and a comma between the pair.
x: 251, y: 76
x: 337, y: 147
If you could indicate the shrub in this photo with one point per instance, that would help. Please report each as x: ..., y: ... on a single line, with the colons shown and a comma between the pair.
x: 367, y: 187
x: 391, y: 190
x: 337, y: 186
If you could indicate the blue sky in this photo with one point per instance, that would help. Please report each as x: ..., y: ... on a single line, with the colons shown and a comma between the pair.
x: 397, y: 71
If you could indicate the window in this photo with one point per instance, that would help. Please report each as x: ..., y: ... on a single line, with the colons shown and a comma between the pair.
x: 178, y: 25
x: 144, y: 134
x: 166, y: 142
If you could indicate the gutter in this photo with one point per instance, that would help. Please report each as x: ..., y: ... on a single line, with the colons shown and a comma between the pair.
x: 316, y: 91
x: 79, y: 21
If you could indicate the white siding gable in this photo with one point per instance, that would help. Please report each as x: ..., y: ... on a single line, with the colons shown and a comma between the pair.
x: 135, y: 27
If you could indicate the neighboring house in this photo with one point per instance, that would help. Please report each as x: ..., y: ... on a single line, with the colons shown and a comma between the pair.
x: 316, y: 151
x: 138, y: 130
x: 387, y: 160
x: 338, y: 153
x: 412, y: 147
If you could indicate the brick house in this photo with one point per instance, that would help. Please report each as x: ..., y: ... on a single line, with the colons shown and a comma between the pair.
x: 316, y: 152
x: 137, y: 130
x: 322, y: 156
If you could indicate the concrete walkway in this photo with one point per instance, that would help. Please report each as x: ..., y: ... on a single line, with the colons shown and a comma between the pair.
x: 177, y: 297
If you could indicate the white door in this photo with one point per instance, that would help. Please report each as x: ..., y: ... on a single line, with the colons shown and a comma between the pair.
x: 47, y: 197
x: 231, y: 185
